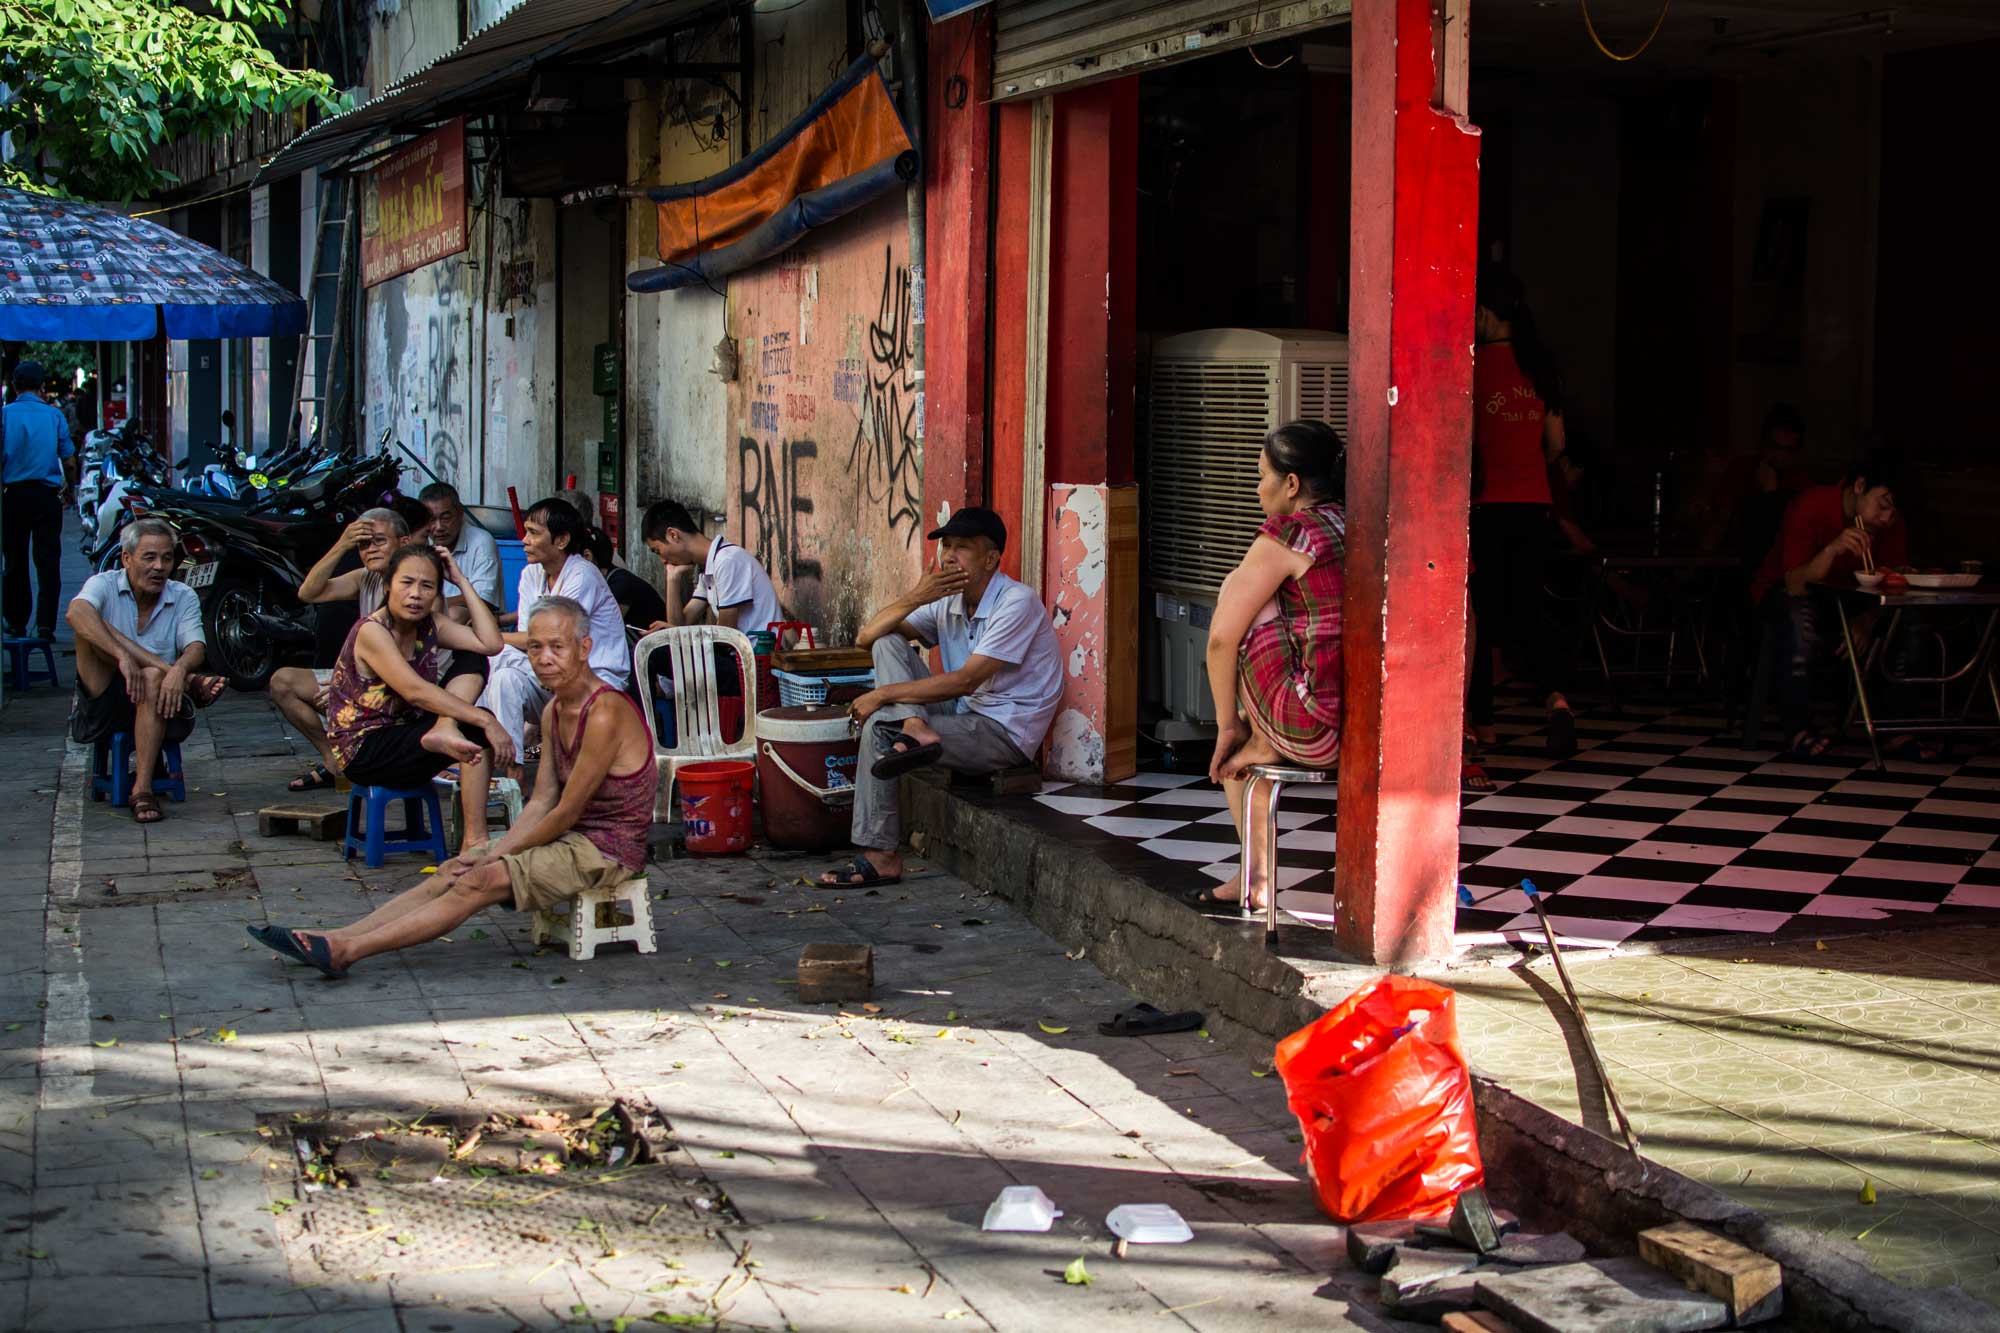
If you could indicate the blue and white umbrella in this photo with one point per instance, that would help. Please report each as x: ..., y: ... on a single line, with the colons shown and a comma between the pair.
x: 73, y: 272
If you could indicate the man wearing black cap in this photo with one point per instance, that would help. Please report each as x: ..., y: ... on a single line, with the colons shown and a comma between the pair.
x: 988, y: 711
x: 38, y: 469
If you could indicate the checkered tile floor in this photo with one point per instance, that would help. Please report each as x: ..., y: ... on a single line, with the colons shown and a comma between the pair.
x: 1658, y: 827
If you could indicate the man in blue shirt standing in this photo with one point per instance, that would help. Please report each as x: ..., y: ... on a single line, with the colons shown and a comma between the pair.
x: 38, y: 468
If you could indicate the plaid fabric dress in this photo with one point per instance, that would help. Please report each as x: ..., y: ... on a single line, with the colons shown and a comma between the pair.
x: 1288, y: 670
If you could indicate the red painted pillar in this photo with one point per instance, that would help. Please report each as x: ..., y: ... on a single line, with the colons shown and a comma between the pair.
x: 957, y: 206
x: 1414, y: 233
x: 1090, y: 572
x: 1007, y: 464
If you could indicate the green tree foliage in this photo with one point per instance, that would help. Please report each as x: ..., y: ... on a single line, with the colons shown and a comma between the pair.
x: 61, y: 361
x: 93, y: 86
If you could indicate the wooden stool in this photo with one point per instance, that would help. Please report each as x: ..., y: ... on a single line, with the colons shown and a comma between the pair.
x: 594, y: 918
x: 1260, y: 836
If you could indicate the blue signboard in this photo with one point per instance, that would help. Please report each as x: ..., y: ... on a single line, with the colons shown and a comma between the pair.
x: 945, y: 9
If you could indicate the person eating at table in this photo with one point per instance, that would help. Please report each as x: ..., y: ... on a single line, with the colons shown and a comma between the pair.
x: 1828, y: 533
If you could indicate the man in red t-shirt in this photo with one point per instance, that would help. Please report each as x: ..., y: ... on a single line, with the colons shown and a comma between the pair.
x: 1827, y: 532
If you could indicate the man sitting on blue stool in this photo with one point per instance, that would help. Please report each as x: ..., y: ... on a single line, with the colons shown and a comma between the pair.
x: 138, y: 648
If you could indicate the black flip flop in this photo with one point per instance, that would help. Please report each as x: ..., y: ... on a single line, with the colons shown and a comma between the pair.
x: 317, y: 778
x: 278, y: 940
x: 1143, y: 1020
x: 318, y: 953
x: 862, y: 866
x: 900, y: 758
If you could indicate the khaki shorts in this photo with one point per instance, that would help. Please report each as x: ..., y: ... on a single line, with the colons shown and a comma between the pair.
x: 545, y: 877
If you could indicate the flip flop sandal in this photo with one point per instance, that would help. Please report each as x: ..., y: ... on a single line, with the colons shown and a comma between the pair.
x: 1809, y: 746
x: 317, y: 778
x: 1475, y: 781
x: 1562, y: 732
x: 144, y: 804
x: 318, y: 953
x: 1143, y: 1020
x: 900, y: 758
x: 860, y: 865
x: 1209, y: 901
x: 278, y: 939
x: 1925, y: 751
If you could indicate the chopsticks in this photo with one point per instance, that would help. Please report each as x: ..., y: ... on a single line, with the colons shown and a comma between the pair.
x: 1867, y: 560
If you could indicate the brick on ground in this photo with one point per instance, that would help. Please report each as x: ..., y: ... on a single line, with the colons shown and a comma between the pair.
x: 1413, y: 1272
x: 1626, y: 1294
x: 1371, y: 1245
x: 1751, y: 1285
x: 1476, y: 1321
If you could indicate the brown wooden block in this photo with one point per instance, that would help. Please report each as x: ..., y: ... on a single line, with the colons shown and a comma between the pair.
x: 323, y: 823
x: 1476, y: 1321
x: 834, y: 972
x: 1751, y: 1285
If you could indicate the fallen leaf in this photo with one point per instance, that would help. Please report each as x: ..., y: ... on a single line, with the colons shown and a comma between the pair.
x: 428, y: 870
x: 1820, y: 945
x: 1179, y: 1073
x: 404, y: 1238
x: 872, y: 1008
x: 36, y: 1254
x: 954, y: 1314
x: 13, y: 1027
x: 1202, y: 1033
x: 1868, y: 1192
x: 104, y: 1018
x: 1053, y: 1031
x: 951, y: 1016
x: 1076, y: 1274
x: 112, y: 1042
x: 520, y: 963
x: 1260, y: 1073
x: 210, y: 1174
x: 224, y: 1036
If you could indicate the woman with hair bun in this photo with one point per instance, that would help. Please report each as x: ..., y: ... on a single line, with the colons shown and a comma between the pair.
x: 1274, y: 644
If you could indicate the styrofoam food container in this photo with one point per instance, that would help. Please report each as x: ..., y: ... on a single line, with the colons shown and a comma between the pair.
x: 1021, y: 1208
x: 1148, y: 1224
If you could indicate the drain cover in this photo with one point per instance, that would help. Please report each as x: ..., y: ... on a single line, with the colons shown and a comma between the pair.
x: 381, y: 1210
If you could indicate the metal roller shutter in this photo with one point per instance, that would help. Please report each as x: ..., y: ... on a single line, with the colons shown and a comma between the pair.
x: 1044, y: 45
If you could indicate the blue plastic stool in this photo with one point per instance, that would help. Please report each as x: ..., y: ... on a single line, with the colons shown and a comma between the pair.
x: 111, y: 770
x: 20, y: 661
x: 423, y: 823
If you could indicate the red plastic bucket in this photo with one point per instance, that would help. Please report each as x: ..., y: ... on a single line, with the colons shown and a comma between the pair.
x: 805, y: 765
x: 715, y: 806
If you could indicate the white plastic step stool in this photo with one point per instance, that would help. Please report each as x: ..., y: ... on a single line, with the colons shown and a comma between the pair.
x: 504, y: 793
x: 600, y: 916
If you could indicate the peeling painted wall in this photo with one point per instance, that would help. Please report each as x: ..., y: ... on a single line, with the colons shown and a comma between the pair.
x: 459, y: 356
x: 1091, y: 565
x: 826, y: 470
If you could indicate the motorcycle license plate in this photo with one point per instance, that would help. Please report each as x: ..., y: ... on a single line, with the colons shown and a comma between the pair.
x: 202, y: 575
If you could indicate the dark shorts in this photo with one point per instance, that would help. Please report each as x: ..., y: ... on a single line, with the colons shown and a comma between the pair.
x: 95, y: 719
x: 466, y: 664
x: 395, y: 756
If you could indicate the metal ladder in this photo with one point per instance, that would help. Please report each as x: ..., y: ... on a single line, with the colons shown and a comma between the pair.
x: 322, y: 342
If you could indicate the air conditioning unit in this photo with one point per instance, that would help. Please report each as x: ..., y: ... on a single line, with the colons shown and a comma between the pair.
x: 1216, y: 394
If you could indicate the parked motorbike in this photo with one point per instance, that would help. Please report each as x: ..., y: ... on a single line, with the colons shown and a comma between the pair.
x: 247, y: 561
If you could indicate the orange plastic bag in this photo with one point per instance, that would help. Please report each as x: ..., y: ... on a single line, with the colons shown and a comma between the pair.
x: 1384, y: 1099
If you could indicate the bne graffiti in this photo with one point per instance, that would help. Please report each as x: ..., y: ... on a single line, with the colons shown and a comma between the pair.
x: 886, y: 456
x: 774, y: 511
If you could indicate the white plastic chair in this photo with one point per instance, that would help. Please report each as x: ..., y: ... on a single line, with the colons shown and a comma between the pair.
x: 697, y: 701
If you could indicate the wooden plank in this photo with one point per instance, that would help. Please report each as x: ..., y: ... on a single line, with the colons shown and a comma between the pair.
x: 323, y: 823
x: 1748, y: 1282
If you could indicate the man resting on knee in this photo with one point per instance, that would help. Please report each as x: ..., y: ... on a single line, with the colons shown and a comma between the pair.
x: 583, y: 829
x: 988, y: 711
x: 138, y: 646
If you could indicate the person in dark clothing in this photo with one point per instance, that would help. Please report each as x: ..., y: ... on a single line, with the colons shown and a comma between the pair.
x: 36, y: 477
x: 639, y: 603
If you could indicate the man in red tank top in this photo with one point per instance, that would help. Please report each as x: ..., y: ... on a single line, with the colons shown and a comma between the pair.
x: 584, y: 828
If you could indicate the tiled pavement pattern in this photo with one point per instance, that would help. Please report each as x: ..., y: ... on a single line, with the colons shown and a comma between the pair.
x: 1659, y: 827
x: 861, y: 1152
x: 1787, y: 1076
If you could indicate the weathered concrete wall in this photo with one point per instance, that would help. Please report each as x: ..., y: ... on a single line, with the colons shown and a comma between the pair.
x: 459, y: 358
x: 406, y: 36
x: 826, y: 471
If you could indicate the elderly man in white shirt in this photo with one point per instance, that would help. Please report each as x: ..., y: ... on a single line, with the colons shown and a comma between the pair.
x: 988, y: 711
x: 138, y: 647
x: 473, y: 547
x: 513, y: 693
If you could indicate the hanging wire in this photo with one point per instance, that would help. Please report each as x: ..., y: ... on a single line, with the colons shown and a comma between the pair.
x: 1610, y: 54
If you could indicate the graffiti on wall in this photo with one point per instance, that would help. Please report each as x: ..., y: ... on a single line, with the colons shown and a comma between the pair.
x: 774, y: 505
x: 417, y: 389
x: 886, y: 456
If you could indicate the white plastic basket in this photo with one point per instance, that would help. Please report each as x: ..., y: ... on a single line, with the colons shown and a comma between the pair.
x: 795, y: 690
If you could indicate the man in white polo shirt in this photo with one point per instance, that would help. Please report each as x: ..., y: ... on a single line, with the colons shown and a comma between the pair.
x: 138, y: 647
x: 728, y: 581
x: 988, y: 711
x: 473, y: 547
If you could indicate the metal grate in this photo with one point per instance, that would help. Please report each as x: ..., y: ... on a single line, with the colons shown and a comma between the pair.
x: 1321, y: 393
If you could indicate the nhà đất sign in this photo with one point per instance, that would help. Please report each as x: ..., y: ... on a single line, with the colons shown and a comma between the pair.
x: 413, y: 206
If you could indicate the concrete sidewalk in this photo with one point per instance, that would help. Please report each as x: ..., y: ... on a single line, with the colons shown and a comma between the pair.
x: 144, y: 1037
